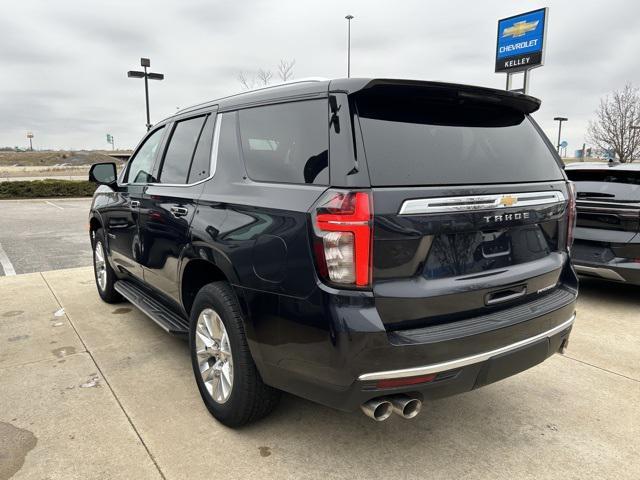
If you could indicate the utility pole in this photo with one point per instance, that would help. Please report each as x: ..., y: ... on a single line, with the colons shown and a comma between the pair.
x: 560, y: 120
x: 145, y: 62
x: 349, y: 18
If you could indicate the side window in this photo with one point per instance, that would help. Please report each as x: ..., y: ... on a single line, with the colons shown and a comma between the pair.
x: 201, y: 163
x: 286, y: 142
x: 142, y: 163
x: 179, y: 153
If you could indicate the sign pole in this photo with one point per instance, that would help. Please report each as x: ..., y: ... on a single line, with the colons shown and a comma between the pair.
x: 525, y: 85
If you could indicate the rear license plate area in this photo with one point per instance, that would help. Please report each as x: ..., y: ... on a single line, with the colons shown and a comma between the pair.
x: 495, y: 244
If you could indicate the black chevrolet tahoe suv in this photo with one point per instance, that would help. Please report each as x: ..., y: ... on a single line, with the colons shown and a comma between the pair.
x: 363, y: 243
x: 607, y: 234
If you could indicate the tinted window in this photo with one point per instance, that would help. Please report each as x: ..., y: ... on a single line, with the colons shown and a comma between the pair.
x: 422, y: 141
x: 606, y: 184
x: 202, y: 158
x: 287, y: 142
x: 142, y: 163
x: 177, y: 159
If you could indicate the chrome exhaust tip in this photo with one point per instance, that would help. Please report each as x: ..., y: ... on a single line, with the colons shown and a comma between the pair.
x: 378, y: 408
x: 406, y: 406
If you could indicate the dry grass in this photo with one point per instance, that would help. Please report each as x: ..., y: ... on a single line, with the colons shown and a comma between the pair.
x: 51, y: 158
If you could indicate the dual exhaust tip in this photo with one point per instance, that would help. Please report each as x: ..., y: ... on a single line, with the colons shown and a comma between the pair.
x: 381, y: 408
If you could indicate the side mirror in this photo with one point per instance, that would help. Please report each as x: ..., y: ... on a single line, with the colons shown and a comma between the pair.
x: 103, y: 173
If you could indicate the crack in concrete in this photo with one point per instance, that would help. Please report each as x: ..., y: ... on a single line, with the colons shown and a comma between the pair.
x: 601, y: 368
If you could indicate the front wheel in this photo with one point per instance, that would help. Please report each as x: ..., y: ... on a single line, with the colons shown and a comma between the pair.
x: 104, y: 274
x: 227, y: 377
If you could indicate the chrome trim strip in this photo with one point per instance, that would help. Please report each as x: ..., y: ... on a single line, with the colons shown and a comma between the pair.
x: 601, y: 272
x: 212, y: 168
x: 480, y: 202
x: 604, y: 205
x: 463, y: 362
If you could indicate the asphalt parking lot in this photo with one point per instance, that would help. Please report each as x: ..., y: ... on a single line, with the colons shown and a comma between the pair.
x: 91, y: 390
x: 43, y: 234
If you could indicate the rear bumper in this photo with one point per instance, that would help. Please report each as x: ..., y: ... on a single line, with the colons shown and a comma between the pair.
x: 617, y: 270
x: 439, y: 368
x: 617, y: 262
x: 342, y: 370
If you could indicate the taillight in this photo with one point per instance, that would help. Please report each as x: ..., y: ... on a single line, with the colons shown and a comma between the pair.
x: 571, y: 214
x: 342, y: 223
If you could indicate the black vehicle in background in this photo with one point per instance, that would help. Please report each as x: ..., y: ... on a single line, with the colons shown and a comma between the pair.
x: 607, y: 235
x: 363, y: 243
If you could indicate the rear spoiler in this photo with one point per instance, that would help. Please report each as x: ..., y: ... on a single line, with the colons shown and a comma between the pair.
x: 381, y: 86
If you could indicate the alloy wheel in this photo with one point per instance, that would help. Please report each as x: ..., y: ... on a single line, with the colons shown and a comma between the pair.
x: 213, y: 352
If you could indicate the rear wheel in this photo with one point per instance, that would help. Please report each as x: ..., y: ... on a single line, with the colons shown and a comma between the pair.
x: 103, y: 273
x: 225, y: 373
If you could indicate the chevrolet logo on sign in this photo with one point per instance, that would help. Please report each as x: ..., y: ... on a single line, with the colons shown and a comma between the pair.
x: 519, y: 29
x: 508, y: 201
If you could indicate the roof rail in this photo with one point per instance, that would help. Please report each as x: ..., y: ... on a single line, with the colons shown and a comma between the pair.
x: 266, y: 87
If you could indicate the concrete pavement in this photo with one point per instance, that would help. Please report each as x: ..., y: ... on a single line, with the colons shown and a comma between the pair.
x: 99, y: 391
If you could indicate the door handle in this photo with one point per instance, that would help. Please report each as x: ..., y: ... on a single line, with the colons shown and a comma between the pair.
x: 135, y: 203
x: 179, y: 211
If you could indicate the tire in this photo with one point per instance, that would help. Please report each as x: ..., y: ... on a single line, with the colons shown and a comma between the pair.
x: 249, y: 398
x: 103, y: 274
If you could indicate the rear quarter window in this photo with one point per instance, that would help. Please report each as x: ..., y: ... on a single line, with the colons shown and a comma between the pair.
x: 410, y: 141
x: 287, y: 142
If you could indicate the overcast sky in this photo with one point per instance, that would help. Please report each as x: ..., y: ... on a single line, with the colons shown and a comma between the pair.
x: 63, y: 63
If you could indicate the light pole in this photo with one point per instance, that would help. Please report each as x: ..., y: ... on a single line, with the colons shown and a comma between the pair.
x: 349, y: 18
x: 145, y: 62
x: 560, y: 120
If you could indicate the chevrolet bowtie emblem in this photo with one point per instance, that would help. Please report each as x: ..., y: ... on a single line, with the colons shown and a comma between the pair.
x: 519, y: 29
x: 508, y: 200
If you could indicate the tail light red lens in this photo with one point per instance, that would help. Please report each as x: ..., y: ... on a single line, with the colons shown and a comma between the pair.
x: 342, y: 222
x: 571, y: 214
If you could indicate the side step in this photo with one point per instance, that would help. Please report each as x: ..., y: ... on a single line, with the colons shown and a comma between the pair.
x: 169, y: 321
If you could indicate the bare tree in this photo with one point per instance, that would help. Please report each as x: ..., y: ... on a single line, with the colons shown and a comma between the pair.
x: 264, y: 76
x: 615, y: 117
x: 285, y: 69
x: 248, y: 83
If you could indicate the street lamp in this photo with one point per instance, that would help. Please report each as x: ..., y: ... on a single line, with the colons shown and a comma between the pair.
x: 145, y: 62
x: 349, y: 18
x: 560, y: 120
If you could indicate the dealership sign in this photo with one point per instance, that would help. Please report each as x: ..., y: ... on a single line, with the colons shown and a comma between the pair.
x: 521, y: 40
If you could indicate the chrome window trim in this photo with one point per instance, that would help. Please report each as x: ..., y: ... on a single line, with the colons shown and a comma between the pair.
x: 212, y: 165
x: 465, y: 361
x: 479, y: 202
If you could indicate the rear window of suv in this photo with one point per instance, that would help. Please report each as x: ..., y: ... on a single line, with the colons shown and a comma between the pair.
x: 606, y: 184
x: 411, y: 140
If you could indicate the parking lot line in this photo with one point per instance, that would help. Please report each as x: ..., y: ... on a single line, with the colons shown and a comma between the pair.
x: 7, y: 266
x: 53, y: 204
